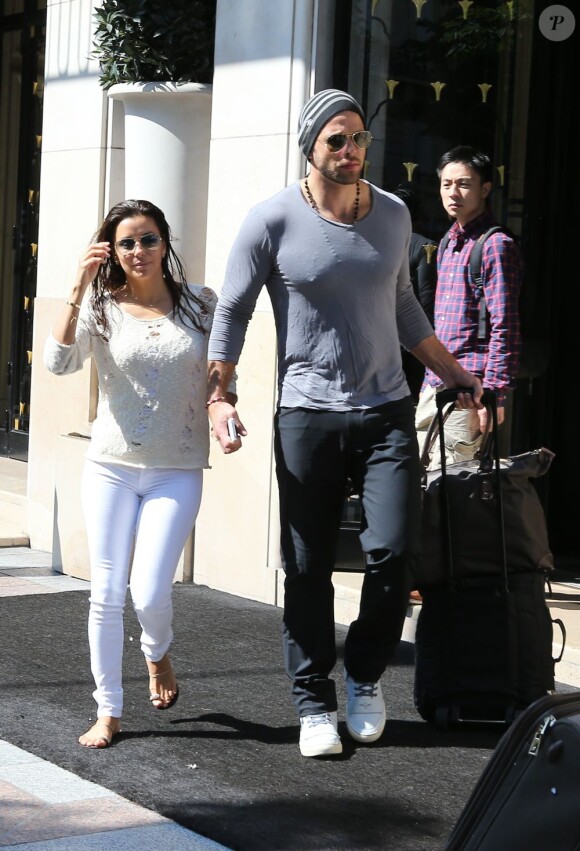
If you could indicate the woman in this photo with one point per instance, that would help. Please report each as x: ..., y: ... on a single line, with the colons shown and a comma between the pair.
x: 147, y: 331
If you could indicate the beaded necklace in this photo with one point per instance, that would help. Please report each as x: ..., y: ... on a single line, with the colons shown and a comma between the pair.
x: 314, y: 205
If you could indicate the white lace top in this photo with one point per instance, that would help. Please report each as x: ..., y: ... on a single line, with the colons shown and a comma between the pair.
x: 152, y: 386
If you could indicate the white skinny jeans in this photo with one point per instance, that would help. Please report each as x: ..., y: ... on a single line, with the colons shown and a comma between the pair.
x: 155, y: 509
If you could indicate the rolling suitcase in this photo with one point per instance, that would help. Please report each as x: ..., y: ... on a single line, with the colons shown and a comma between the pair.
x: 483, y: 643
x: 527, y: 796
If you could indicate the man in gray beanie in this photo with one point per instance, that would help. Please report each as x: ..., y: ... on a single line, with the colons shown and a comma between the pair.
x: 332, y: 251
x: 320, y: 109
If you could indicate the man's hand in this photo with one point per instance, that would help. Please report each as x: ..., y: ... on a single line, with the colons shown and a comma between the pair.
x: 472, y: 399
x: 221, y: 405
x: 219, y: 413
x: 433, y: 354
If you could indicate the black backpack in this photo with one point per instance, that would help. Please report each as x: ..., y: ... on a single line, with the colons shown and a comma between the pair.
x: 534, y: 354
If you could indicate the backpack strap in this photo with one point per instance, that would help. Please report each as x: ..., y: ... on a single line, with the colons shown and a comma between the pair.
x: 475, y: 263
x: 476, y: 255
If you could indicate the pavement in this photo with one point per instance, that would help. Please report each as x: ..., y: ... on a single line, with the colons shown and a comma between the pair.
x: 46, y: 808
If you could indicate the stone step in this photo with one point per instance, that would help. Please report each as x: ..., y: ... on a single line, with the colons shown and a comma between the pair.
x: 13, y: 503
x: 13, y: 519
x: 12, y: 534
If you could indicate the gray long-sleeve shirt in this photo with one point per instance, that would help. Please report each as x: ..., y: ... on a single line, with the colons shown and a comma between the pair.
x: 341, y: 295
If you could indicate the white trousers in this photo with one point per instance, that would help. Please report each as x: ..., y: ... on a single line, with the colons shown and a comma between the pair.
x: 149, y: 513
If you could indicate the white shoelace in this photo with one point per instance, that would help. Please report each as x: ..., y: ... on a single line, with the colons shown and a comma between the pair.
x: 366, y: 690
x: 322, y: 718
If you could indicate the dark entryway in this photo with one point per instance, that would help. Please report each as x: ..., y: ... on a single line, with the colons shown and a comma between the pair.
x: 22, y: 32
x: 553, y: 182
x: 434, y: 75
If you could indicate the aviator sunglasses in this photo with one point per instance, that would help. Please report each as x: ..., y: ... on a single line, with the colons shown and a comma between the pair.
x: 337, y: 141
x: 150, y: 241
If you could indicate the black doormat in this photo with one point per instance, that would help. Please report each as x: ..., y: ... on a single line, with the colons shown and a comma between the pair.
x: 224, y: 761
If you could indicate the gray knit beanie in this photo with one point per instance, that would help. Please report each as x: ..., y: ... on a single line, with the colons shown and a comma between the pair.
x: 320, y: 109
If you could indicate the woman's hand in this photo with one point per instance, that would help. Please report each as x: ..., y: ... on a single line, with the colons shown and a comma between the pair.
x: 64, y: 330
x: 96, y: 254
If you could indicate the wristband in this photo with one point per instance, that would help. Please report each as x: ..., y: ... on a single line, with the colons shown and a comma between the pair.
x: 215, y: 399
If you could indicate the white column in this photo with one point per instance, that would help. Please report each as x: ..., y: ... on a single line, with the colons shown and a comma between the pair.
x: 263, y: 76
x: 167, y: 133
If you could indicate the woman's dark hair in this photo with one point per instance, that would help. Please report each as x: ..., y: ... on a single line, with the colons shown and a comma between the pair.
x: 111, y: 276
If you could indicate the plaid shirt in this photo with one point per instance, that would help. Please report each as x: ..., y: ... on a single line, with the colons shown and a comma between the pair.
x: 494, y: 359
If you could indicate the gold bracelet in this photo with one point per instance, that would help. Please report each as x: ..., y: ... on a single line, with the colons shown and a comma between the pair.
x: 72, y: 304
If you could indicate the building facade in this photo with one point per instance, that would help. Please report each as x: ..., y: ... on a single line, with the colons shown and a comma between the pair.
x: 429, y: 75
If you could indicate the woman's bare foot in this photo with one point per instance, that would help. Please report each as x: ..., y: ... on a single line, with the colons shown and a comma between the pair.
x: 163, y: 687
x: 101, y: 734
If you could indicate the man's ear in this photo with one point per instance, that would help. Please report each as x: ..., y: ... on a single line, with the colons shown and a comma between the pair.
x: 486, y: 189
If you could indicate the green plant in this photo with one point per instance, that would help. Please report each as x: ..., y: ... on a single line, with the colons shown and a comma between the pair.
x: 150, y: 40
x: 482, y: 33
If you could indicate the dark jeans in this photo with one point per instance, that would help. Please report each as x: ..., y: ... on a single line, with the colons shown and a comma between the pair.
x: 316, y: 452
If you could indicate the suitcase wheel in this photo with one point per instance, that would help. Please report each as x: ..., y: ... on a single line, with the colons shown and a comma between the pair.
x: 445, y: 716
x: 510, y: 715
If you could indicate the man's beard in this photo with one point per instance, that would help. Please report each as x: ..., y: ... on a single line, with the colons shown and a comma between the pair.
x: 346, y: 178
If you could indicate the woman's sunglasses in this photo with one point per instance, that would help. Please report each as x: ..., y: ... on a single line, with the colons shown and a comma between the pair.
x: 337, y: 141
x: 149, y: 241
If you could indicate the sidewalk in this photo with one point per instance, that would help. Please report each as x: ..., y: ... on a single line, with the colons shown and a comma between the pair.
x: 45, y: 808
x: 49, y: 808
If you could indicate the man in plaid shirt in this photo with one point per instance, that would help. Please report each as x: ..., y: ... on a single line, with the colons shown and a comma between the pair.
x: 491, y: 353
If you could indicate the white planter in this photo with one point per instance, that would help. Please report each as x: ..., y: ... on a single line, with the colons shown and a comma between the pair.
x: 167, y: 135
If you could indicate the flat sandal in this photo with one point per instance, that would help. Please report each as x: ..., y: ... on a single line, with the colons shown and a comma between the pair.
x: 153, y: 697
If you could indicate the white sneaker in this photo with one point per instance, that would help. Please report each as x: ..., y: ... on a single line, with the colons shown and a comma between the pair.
x: 365, y: 710
x: 318, y: 736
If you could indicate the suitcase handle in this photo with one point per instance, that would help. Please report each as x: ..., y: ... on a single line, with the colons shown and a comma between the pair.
x: 489, y: 459
x: 446, y: 397
x: 562, y: 627
x: 450, y: 394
